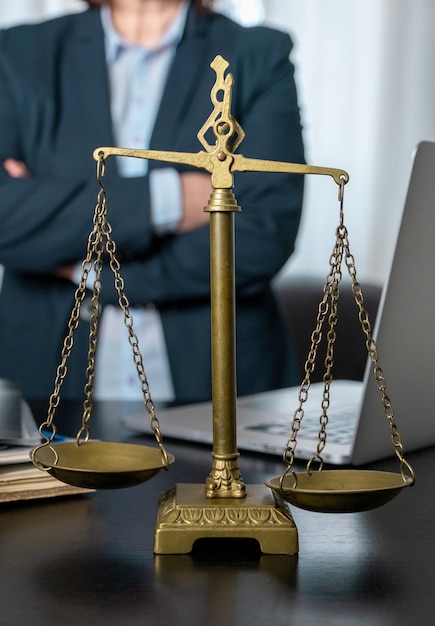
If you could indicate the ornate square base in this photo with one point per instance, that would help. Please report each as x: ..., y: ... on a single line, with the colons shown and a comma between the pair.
x: 185, y: 514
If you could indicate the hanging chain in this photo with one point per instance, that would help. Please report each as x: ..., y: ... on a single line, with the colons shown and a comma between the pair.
x: 405, y: 468
x: 100, y: 233
x: 330, y: 302
x: 128, y: 318
x: 48, y: 428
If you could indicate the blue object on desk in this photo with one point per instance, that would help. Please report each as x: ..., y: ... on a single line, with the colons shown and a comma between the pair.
x: 57, y: 438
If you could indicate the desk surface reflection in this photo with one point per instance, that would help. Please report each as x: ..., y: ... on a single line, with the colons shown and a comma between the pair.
x: 88, y: 560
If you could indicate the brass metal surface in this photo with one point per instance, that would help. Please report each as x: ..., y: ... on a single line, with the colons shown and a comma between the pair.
x: 220, y: 161
x: 224, y: 507
x: 222, y: 169
x: 339, y: 491
x: 224, y: 479
x: 101, y: 464
x: 185, y: 515
x: 224, y: 486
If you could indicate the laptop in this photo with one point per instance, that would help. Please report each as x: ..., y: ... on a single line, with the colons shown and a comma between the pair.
x: 357, y: 431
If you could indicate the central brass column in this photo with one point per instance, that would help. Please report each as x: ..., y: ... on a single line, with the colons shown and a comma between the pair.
x: 224, y: 479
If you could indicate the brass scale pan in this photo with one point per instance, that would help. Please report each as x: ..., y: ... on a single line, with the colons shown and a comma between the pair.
x: 340, y: 491
x: 101, y: 464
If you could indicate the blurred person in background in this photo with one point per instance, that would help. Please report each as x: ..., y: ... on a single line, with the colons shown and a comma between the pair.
x: 136, y: 74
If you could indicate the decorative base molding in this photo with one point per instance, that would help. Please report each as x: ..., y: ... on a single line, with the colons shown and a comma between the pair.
x: 225, y: 480
x: 185, y: 514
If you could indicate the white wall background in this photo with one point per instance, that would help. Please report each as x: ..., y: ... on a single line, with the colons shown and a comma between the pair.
x: 366, y: 76
x: 366, y: 79
x: 16, y: 11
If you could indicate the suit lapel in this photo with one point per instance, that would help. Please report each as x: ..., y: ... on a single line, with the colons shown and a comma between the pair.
x: 183, y: 77
x: 89, y: 76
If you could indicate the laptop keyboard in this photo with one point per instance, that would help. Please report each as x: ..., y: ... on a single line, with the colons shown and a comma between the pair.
x: 340, y: 428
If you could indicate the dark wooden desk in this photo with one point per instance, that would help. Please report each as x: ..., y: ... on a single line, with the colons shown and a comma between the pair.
x: 89, y: 560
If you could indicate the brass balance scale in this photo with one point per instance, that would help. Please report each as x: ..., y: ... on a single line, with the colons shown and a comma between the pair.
x: 224, y: 506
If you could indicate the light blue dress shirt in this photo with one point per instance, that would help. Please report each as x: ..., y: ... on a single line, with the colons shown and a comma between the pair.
x: 137, y: 77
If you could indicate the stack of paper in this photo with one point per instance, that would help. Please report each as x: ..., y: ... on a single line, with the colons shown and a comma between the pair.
x: 23, y: 481
x: 19, y: 478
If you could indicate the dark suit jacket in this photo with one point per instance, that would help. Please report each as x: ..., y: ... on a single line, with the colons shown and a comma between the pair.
x: 54, y: 111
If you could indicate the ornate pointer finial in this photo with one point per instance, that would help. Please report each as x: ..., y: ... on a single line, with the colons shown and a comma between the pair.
x: 220, y: 120
x: 219, y: 159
